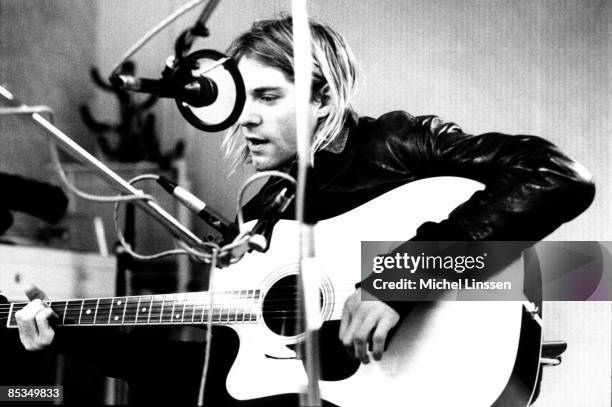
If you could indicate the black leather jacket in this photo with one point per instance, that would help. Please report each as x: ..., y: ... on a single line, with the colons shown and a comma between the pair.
x: 531, y: 187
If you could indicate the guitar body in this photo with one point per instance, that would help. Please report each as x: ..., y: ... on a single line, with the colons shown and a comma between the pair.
x: 442, y: 354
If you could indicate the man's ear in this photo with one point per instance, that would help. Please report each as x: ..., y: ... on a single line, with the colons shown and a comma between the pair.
x: 322, y: 101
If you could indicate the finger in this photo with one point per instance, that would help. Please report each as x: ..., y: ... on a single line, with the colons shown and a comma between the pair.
x: 379, y: 337
x: 45, y: 332
x: 351, y: 303
x: 362, y: 337
x: 26, y: 322
x: 33, y: 292
x: 349, y: 335
x: 344, y: 321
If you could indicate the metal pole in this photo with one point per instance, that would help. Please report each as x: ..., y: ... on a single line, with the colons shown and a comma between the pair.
x: 115, y: 181
x: 309, y: 288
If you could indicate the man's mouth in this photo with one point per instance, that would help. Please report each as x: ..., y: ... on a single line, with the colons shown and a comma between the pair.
x: 256, y: 141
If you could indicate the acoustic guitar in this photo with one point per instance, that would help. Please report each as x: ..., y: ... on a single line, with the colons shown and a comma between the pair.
x: 445, y: 353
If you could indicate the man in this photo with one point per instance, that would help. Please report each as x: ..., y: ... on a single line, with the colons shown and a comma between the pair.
x: 530, y: 186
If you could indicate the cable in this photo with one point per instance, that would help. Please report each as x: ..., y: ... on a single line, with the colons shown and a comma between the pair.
x: 249, y: 181
x: 85, y: 195
x: 186, y: 250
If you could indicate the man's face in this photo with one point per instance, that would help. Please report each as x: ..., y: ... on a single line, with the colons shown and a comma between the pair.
x: 268, y: 118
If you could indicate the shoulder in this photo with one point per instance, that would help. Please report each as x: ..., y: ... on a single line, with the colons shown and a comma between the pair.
x: 397, y: 119
x: 400, y: 125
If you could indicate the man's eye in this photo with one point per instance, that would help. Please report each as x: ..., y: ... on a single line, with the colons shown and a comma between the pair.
x: 268, y: 98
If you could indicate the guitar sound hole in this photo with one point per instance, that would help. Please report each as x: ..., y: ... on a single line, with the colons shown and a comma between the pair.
x: 280, y: 307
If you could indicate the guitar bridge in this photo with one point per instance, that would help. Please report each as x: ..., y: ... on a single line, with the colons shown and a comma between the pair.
x: 281, y: 357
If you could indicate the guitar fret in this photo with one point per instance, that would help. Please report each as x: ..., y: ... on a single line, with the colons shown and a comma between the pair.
x: 219, y: 310
x: 150, y: 307
x: 172, y: 316
x: 246, y: 309
x: 64, y: 317
x: 161, y: 312
x: 175, y: 311
x: 114, y: 318
x: 204, y: 303
x: 226, y: 304
x: 251, y: 308
x: 12, y: 316
x: 184, y: 306
x: 183, y: 310
x: 167, y: 311
x: 127, y: 300
x: 236, y: 305
x: 110, y: 312
x: 245, y: 306
x: 137, y: 310
x: 231, y: 303
x: 144, y: 310
x: 228, y: 301
x: 193, y: 311
x: 96, y: 312
x: 81, y: 311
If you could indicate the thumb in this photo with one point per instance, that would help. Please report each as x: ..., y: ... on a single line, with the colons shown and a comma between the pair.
x: 33, y: 292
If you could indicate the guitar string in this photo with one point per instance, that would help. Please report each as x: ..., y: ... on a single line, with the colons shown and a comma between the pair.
x: 157, y: 315
x: 286, y: 307
x: 148, y: 304
x: 183, y: 307
x: 254, y: 318
x: 159, y: 297
x: 232, y: 312
x: 190, y: 308
x: 136, y: 315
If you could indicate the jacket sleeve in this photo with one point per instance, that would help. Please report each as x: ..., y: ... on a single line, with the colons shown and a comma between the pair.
x: 531, y: 187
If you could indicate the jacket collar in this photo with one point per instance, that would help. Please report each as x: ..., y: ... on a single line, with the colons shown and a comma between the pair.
x: 331, y: 161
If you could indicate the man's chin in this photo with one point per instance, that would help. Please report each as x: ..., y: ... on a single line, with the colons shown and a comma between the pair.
x: 262, y: 165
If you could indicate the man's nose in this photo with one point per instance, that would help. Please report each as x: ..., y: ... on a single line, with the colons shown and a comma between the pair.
x: 249, y: 117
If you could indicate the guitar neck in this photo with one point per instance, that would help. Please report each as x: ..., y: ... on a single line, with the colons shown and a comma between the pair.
x: 164, y: 309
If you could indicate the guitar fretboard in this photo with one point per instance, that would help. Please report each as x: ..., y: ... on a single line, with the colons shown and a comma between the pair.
x: 167, y: 309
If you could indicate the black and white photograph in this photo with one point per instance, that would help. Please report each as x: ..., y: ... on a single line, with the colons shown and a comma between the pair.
x: 340, y: 203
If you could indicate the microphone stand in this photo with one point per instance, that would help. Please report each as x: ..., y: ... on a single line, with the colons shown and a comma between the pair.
x: 109, y: 176
x: 185, y: 40
x: 308, y: 272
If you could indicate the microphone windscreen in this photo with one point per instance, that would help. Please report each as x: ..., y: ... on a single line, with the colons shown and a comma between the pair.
x: 225, y: 110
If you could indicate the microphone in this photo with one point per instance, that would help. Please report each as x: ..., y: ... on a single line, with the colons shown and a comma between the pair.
x: 206, y: 86
x: 262, y: 231
x: 227, y: 229
x: 199, y: 92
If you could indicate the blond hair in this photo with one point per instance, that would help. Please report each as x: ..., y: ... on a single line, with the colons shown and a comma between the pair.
x: 270, y: 42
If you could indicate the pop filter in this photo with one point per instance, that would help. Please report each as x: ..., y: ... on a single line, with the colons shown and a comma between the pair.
x: 225, y: 110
